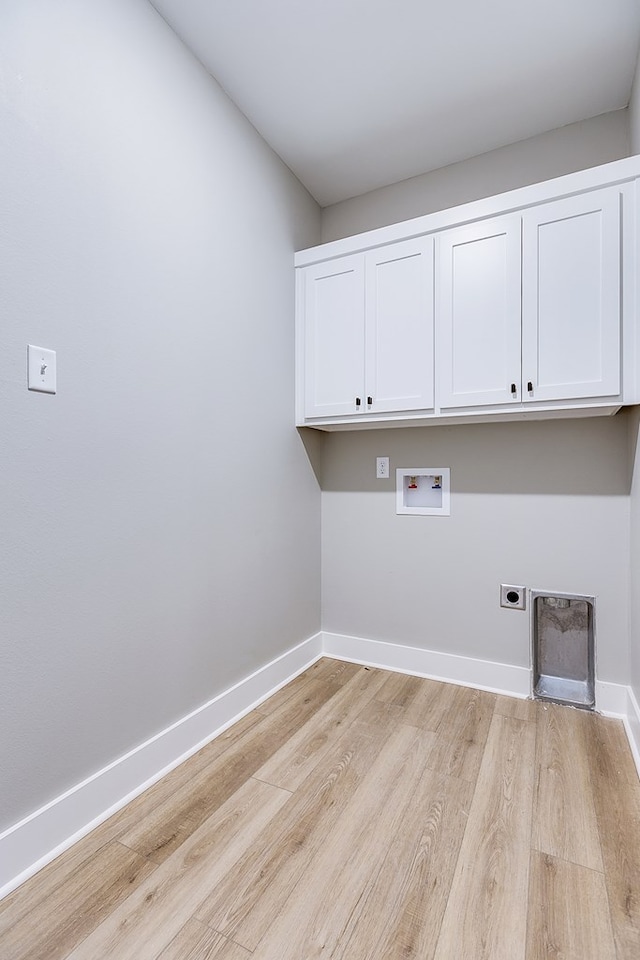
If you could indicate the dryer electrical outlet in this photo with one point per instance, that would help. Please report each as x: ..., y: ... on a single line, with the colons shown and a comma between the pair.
x: 514, y: 598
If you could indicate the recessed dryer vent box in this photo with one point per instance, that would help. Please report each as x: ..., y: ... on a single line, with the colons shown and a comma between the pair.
x: 423, y: 491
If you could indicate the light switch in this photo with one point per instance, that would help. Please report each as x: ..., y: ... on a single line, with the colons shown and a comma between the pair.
x: 41, y: 369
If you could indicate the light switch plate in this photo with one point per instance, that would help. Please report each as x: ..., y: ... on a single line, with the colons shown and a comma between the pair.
x: 41, y: 369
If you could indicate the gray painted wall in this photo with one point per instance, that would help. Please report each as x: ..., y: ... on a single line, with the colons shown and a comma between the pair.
x: 541, y: 504
x: 574, y: 147
x: 634, y: 112
x: 634, y: 126
x: 160, y: 519
x: 634, y: 456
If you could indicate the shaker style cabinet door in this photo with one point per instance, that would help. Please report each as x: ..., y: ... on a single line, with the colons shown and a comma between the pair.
x: 333, y: 299
x: 399, y: 327
x: 478, y: 314
x: 571, y: 298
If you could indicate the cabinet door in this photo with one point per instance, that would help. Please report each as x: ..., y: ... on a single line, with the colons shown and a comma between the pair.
x: 478, y: 314
x: 571, y: 298
x: 334, y: 337
x: 399, y: 327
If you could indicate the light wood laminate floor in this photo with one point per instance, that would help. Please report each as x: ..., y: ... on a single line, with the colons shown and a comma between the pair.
x: 361, y: 815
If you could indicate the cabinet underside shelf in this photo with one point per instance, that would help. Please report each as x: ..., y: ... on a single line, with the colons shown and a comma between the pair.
x: 567, y: 413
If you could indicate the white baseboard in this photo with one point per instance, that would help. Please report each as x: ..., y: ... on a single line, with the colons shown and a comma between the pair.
x: 467, y: 671
x: 612, y: 699
x: 632, y: 726
x: 29, y: 845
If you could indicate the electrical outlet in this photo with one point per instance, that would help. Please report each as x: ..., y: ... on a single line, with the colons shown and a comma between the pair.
x: 382, y: 468
x: 513, y: 597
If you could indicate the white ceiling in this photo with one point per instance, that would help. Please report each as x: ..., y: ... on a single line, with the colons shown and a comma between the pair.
x: 357, y: 94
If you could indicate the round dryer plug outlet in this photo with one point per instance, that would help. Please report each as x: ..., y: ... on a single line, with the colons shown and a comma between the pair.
x: 513, y: 597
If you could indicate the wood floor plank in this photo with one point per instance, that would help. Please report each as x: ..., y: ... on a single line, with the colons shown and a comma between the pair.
x: 517, y: 708
x: 462, y: 734
x: 564, y: 822
x: 400, y: 913
x: 293, y: 762
x: 295, y: 688
x: 399, y: 689
x: 38, y: 888
x: 357, y: 861
x: 126, y: 821
x: 44, y: 883
x: 196, y: 941
x: 169, y: 824
x: 486, y: 912
x: 243, y: 905
x: 148, y: 920
x: 199, y: 761
x: 568, y: 912
x: 313, y: 920
x: 375, y: 712
x: 616, y: 792
x: 333, y: 671
x: 51, y: 927
x: 430, y: 705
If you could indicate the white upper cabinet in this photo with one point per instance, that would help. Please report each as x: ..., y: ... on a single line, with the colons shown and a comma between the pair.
x: 571, y: 298
x: 368, y: 332
x: 333, y: 299
x: 532, y: 321
x: 478, y: 314
x: 526, y: 304
x: 399, y: 327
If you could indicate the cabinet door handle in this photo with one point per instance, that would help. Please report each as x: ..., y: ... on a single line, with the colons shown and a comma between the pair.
x: 369, y: 400
x: 529, y: 386
x: 514, y: 390
x: 358, y: 401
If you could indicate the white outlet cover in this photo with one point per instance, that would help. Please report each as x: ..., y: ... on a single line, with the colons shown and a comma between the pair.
x: 41, y: 369
x: 382, y: 468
